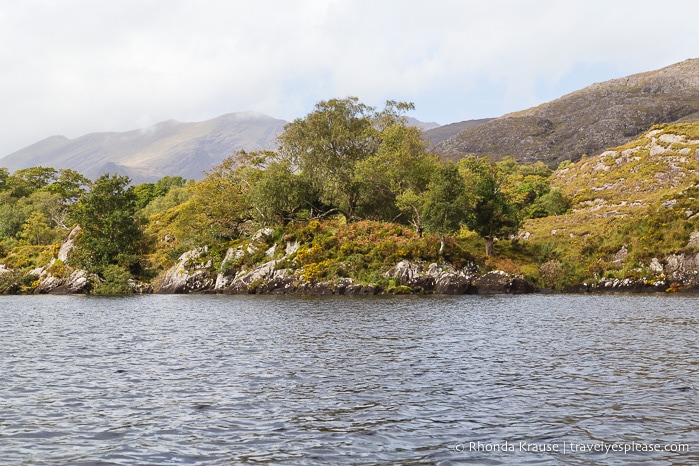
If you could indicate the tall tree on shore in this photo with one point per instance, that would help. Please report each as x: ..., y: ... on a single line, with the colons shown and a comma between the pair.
x: 111, y: 232
x: 329, y: 143
x: 492, y: 213
x: 445, y: 202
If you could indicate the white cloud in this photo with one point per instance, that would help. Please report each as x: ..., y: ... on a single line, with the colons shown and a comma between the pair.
x: 76, y: 66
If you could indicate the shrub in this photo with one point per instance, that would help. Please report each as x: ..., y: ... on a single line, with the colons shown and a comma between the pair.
x: 115, y: 282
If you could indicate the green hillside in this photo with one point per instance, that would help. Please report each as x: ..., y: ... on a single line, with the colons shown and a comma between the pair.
x: 630, y: 204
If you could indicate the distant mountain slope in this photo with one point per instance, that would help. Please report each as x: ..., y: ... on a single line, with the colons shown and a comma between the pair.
x: 425, y: 126
x: 440, y: 133
x: 586, y: 121
x: 167, y: 148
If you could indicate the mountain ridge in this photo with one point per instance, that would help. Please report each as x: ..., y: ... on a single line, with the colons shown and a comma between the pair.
x: 167, y: 148
x: 586, y: 121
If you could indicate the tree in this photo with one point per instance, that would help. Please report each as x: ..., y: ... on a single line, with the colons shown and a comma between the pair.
x: 492, y: 213
x: 395, y: 178
x: 221, y: 206
x: 328, y: 143
x: 4, y: 176
x: 36, y: 230
x: 28, y: 180
x: 279, y: 194
x: 445, y: 202
x: 111, y: 232
x: 70, y: 185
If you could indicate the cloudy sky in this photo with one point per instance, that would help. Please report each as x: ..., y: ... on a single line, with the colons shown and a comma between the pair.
x: 71, y: 67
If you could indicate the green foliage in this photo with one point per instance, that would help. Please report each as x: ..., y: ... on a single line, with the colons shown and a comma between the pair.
x: 395, y: 178
x: 28, y: 180
x: 146, y: 193
x: 175, y: 196
x: 36, y: 230
x: 111, y: 233
x: 9, y: 282
x: 493, y: 213
x: 551, y: 203
x: 69, y: 186
x: 446, y: 202
x: 279, y: 194
x: 220, y: 208
x: 328, y: 145
x: 115, y: 282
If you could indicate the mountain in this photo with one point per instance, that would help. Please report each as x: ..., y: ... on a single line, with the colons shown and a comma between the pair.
x: 440, y: 133
x: 168, y: 148
x: 586, y: 121
x: 424, y: 126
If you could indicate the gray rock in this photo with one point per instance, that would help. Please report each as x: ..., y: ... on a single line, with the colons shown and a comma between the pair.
x: 224, y: 278
x: 79, y: 282
x: 656, y: 267
x: 68, y: 245
x: 497, y: 282
x: 621, y: 255
x: 438, y: 278
x: 628, y: 285
x: 404, y: 272
x: 193, y: 272
x: 683, y: 268
x: 138, y: 287
x: 249, y: 281
x: 447, y: 280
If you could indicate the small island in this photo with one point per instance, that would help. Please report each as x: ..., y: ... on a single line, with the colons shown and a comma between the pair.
x: 355, y: 201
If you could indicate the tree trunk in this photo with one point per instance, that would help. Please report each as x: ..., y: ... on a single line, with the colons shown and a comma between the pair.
x: 489, y: 246
x: 441, y: 244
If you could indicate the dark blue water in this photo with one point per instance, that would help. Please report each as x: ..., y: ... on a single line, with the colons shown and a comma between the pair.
x: 349, y: 380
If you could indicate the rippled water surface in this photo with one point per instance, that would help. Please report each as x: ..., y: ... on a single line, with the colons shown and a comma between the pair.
x: 349, y: 380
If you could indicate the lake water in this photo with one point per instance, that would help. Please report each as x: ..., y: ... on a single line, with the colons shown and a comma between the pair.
x: 539, y: 379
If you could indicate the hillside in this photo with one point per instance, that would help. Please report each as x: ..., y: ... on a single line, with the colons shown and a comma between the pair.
x: 441, y: 133
x: 633, y: 205
x: 587, y: 121
x: 168, y: 148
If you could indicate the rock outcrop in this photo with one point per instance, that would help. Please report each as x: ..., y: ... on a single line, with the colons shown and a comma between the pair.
x: 192, y: 272
x: 433, y: 278
x: 501, y: 282
x: 57, y: 278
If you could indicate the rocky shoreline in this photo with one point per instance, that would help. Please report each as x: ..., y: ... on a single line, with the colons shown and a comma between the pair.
x: 194, y: 272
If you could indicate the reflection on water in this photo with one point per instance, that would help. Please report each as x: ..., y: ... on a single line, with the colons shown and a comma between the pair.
x: 357, y: 380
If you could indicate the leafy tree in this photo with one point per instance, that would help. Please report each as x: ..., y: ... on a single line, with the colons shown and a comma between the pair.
x: 492, y: 213
x: 220, y: 207
x: 36, y: 230
x: 70, y: 185
x: 148, y: 192
x: 166, y: 183
x: 12, y: 216
x: 111, y: 232
x: 445, y: 202
x: 144, y: 194
x: 4, y: 176
x: 174, y: 197
x: 395, y: 178
x: 552, y: 203
x: 28, y: 180
x: 279, y: 194
x: 328, y: 144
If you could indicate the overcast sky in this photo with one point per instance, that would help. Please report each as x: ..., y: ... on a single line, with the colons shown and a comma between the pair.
x: 71, y: 67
